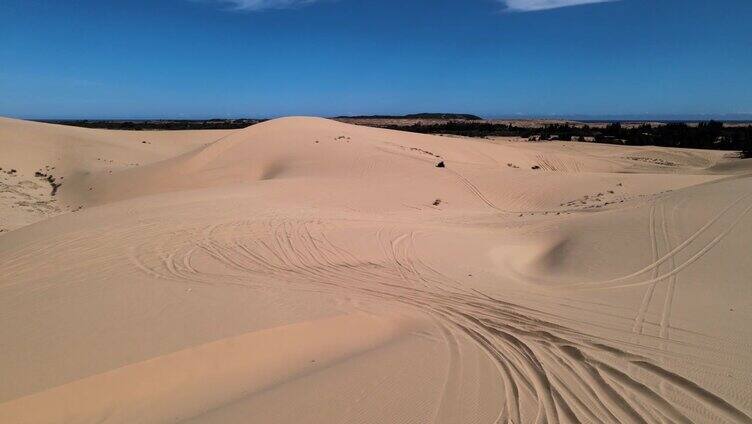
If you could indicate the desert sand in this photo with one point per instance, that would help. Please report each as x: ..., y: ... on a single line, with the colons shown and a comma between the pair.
x: 304, y: 270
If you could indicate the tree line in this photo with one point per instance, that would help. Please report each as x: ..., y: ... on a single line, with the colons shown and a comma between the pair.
x: 704, y: 135
x: 159, y: 124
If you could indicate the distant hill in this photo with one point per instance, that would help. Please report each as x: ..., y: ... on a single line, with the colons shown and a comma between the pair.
x: 444, y: 116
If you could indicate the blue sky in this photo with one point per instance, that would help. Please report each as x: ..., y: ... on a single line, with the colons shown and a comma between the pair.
x: 267, y: 58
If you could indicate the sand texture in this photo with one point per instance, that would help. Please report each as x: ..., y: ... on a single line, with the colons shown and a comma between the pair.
x: 304, y: 270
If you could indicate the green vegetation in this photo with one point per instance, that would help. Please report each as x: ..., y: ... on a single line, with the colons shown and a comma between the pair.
x: 705, y: 135
x: 159, y: 124
x: 437, y: 116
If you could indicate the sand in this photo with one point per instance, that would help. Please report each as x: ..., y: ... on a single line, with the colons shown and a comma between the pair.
x: 306, y: 270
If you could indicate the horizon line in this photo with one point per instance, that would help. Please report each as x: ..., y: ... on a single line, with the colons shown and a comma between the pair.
x: 728, y: 117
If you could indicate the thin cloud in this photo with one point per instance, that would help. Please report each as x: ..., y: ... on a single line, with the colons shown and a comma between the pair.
x: 535, y: 5
x: 253, y: 5
x: 512, y: 5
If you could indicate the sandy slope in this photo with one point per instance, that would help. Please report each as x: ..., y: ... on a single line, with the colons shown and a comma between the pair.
x: 305, y: 270
x: 38, y: 151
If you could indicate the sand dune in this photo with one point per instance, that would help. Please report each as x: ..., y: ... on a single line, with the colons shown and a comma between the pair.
x: 38, y: 151
x: 306, y: 270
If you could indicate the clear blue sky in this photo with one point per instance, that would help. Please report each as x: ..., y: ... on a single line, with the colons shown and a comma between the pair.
x: 266, y: 58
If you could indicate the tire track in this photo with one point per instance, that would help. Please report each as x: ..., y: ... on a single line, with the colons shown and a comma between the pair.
x: 623, y: 281
x: 550, y: 373
x: 672, y: 282
x: 648, y: 296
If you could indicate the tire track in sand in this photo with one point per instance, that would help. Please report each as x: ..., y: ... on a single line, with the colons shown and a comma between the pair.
x: 647, y: 298
x: 623, y: 281
x: 550, y: 373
